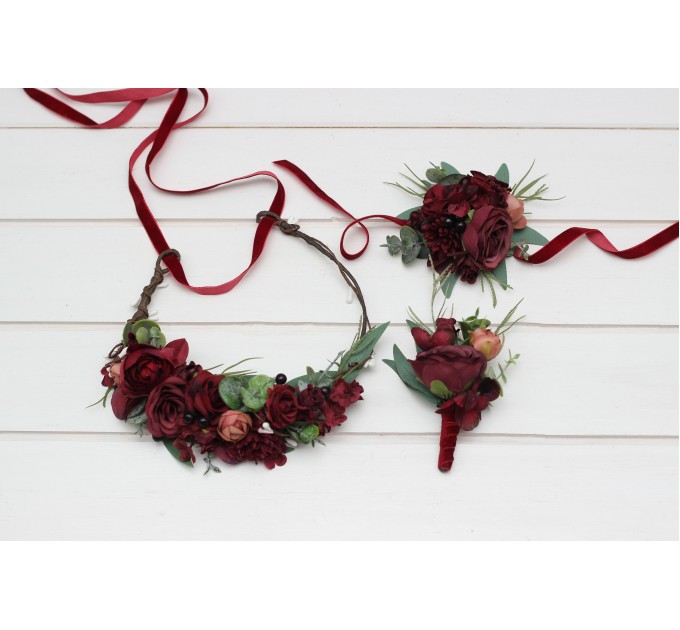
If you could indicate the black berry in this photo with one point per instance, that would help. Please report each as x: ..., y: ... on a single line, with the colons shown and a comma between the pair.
x: 281, y: 379
x: 449, y: 222
x: 155, y: 439
x: 188, y: 418
x: 460, y: 225
x: 325, y: 390
x: 203, y: 422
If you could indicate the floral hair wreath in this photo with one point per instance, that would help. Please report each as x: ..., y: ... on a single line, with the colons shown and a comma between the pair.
x: 234, y: 414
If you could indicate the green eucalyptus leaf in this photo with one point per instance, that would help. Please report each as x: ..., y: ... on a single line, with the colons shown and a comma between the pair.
x: 230, y: 392
x: 503, y: 174
x: 142, y: 335
x: 393, y: 245
x: 309, y: 433
x: 449, y: 170
x: 254, y: 400
x: 528, y: 235
x: 451, y: 179
x: 138, y: 414
x: 127, y: 329
x: 172, y: 449
x: 435, y: 174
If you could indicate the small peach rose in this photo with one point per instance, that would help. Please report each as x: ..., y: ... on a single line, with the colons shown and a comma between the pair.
x: 233, y: 425
x: 516, y: 212
x: 114, y: 373
x: 486, y: 342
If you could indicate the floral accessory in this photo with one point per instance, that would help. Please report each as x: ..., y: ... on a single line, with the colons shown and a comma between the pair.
x: 467, y: 224
x: 452, y: 369
x: 234, y: 414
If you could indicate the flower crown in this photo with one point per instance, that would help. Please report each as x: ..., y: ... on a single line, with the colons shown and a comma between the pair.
x: 234, y: 414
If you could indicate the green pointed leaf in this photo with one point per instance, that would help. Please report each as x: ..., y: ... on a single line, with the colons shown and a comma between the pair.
x: 503, y: 174
x: 448, y: 284
x: 364, y: 347
x: 501, y: 272
x: 528, y: 235
x: 408, y: 376
x: 172, y: 449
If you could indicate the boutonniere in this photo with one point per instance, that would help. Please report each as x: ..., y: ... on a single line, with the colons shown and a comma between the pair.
x: 459, y: 367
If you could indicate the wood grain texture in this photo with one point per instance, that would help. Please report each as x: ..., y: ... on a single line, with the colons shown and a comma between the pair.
x: 375, y: 488
x: 582, y: 446
x: 389, y: 107
x: 81, y: 174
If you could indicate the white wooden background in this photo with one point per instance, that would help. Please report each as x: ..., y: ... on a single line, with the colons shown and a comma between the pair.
x: 583, y: 446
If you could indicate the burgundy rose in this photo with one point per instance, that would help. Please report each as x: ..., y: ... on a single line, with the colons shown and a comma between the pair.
x: 121, y: 405
x: 203, y: 396
x: 282, y: 407
x: 445, y: 334
x: 165, y: 408
x: 345, y: 394
x: 487, y: 237
x: 468, y: 406
x: 255, y: 447
x: 457, y: 367
x: 446, y: 200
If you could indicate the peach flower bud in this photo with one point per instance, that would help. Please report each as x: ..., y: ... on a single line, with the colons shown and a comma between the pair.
x: 516, y: 212
x: 486, y: 342
x: 114, y: 373
x: 233, y: 425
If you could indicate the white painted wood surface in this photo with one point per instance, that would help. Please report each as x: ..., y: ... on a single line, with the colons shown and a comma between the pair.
x: 583, y: 445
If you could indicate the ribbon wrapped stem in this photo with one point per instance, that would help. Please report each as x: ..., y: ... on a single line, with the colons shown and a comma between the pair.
x: 448, y: 439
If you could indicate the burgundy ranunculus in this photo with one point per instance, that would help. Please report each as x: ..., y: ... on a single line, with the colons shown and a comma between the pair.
x: 255, y: 447
x: 468, y: 406
x: 445, y: 334
x: 144, y: 367
x: 165, y: 408
x: 466, y: 268
x: 446, y: 200
x: 282, y: 407
x: 203, y: 396
x: 457, y: 367
x: 487, y: 237
x: 121, y: 405
x: 484, y: 190
x: 345, y: 393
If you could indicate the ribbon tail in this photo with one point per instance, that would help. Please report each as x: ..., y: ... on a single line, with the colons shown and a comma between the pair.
x: 448, y: 439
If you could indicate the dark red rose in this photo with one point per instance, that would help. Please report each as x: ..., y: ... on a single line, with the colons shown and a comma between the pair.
x: 121, y: 405
x: 345, y: 394
x: 310, y: 403
x: 468, y: 406
x: 445, y: 334
x: 484, y: 190
x: 186, y: 453
x: 165, y: 408
x: 255, y: 447
x: 487, y: 237
x: 144, y: 367
x: 203, y: 396
x: 446, y: 200
x: 281, y: 405
x: 457, y: 367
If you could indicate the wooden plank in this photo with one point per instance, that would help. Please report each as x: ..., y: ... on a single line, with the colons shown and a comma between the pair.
x: 392, y: 107
x: 569, y: 381
x: 91, y: 273
x: 81, y: 174
x: 361, y: 488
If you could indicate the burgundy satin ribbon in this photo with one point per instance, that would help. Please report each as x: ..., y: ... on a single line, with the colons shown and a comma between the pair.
x: 448, y: 438
x: 135, y: 100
